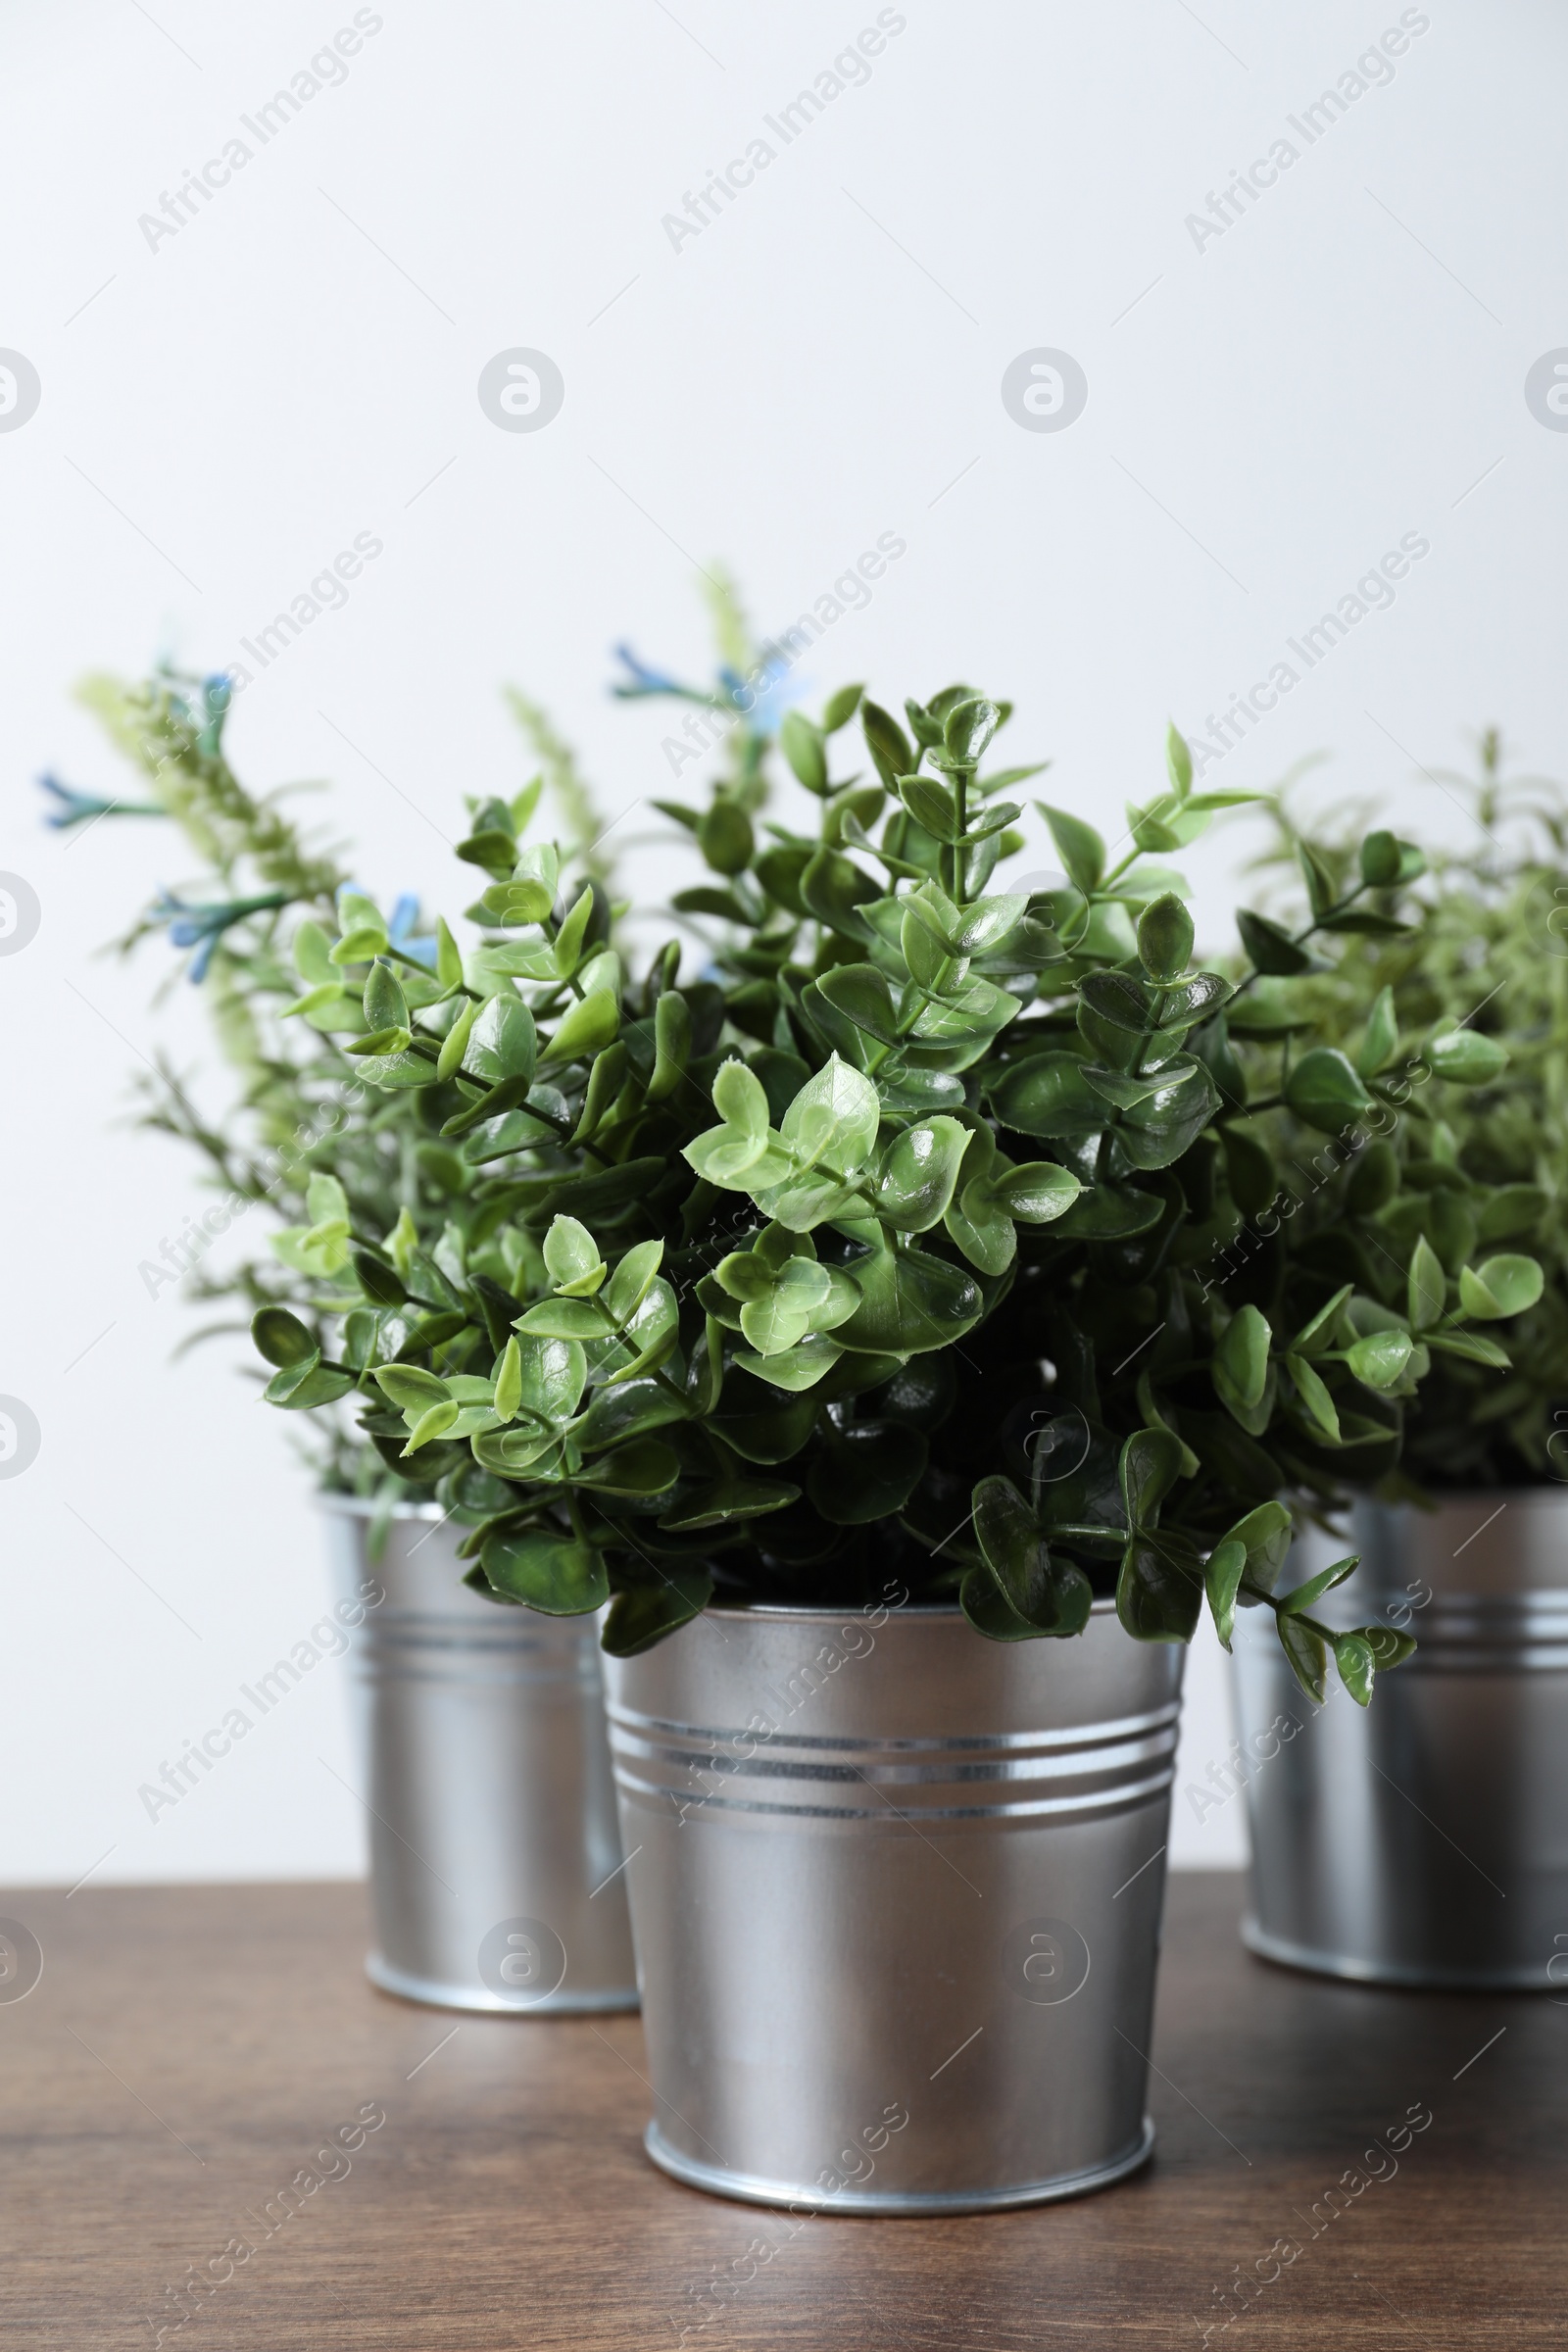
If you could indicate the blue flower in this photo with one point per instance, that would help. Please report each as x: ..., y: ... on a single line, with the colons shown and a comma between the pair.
x: 75, y: 807
x: 646, y: 681
x: 770, y: 697
x: 202, y: 927
x: 404, y: 914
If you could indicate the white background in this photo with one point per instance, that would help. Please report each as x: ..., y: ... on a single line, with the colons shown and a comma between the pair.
x: 222, y: 414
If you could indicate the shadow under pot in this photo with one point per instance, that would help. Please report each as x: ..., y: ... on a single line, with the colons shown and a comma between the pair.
x: 895, y: 1892
x: 485, y: 1778
x: 1423, y: 1840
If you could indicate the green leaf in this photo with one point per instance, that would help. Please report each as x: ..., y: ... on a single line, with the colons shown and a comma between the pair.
x: 1079, y: 846
x: 554, y: 1375
x: 501, y: 1041
x: 1321, y: 890
x: 1380, y: 860
x: 723, y: 903
x: 1271, y: 949
x: 1052, y: 1598
x: 584, y: 1029
x: 455, y: 1043
x: 910, y: 1302
x: 731, y: 1502
x: 1324, y: 1089
x: 303, y: 1387
x: 1356, y: 1661
x: 1118, y: 998
x: 892, y: 752
x: 1240, y: 1360
x: 1150, y: 1467
x: 1389, y: 1648
x: 832, y: 886
x: 804, y: 747
x: 1249, y: 1171
x: 648, y: 1613
x: 1318, y: 1332
x: 673, y: 1045
x: 1038, y: 1190
x: 1165, y: 938
x: 409, y: 1388
x: 1307, y: 1656
x: 862, y: 994
x: 1294, y: 1603
x: 1380, y: 1038
x: 834, y: 1118
x: 724, y: 837
x: 549, y: 1573
x: 741, y: 1100
x: 920, y: 1171
x: 1107, y: 1214
x: 990, y: 1611
x: 1264, y: 1535
x: 931, y: 805
x: 433, y: 1423
x: 282, y: 1337
x: 1426, y: 1288
x: 1227, y: 1564
x: 968, y: 729
x: 572, y: 1258
x: 1047, y: 1097
x: 1466, y: 1056
x: 1379, y: 1360
x: 1160, y: 1588
x: 797, y: 1370
x: 509, y: 1382
x: 1472, y: 1345
x: 1513, y: 1208
x: 563, y: 1318
x: 632, y: 1279
x: 1178, y: 762
x: 643, y: 1467
x: 1502, y: 1286
x: 385, y: 1004
x: 1314, y: 1394
x: 868, y: 1473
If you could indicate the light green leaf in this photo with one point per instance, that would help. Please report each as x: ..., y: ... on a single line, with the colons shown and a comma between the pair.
x: 1426, y: 1288
x: 572, y: 1257
x: 918, y: 1173
x: 1379, y: 1360
x: 1502, y: 1285
x: 834, y: 1118
x: 1314, y: 1394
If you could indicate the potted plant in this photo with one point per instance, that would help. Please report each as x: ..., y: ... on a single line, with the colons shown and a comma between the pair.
x: 453, y: 1695
x: 1428, y: 1844
x: 863, y: 1347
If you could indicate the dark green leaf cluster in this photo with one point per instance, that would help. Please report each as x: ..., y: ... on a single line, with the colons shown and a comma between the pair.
x: 1440, y: 1195
x: 896, y: 1244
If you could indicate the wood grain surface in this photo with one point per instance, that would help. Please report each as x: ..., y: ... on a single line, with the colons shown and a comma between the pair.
x: 189, y: 2053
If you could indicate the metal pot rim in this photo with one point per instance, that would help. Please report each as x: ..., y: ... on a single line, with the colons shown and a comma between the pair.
x: 366, y: 1506
x: 793, y: 1612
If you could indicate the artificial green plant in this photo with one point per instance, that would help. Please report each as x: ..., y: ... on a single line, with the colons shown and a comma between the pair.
x: 888, y: 1249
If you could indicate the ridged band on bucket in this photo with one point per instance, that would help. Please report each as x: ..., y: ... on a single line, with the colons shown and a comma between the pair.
x: 1092, y: 1769
x: 1423, y: 1842
x: 495, y: 1852
x: 895, y: 1892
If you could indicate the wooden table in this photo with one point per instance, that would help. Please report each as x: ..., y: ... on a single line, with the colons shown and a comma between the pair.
x: 187, y: 2054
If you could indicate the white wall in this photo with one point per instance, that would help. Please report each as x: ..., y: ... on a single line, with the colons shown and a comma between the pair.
x: 1268, y: 412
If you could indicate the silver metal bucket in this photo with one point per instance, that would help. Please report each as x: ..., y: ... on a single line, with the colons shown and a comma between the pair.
x: 486, y: 1781
x: 895, y: 1892
x: 1425, y: 1841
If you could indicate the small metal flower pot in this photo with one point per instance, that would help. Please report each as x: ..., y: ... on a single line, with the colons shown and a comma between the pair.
x: 895, y: 1892
x: 494, y: 1848
x: 1425, y: 1841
